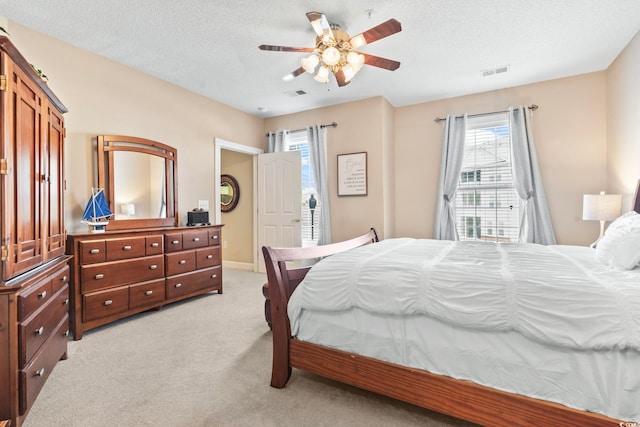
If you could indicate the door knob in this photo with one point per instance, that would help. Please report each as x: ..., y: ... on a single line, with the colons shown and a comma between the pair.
x: 295, y: 220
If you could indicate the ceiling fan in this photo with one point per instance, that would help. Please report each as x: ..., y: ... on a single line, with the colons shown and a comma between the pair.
x: 335, y: 50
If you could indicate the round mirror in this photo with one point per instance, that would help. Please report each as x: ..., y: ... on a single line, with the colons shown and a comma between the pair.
x: 229, y: 193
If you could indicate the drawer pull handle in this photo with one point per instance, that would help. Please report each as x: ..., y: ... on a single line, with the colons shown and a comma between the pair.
x: 63, y: 279
x: 148, y: 292
x: 209, y: 256
x: 94, y: 251
x: 178, y: 285
x: 40, y: 330
x: 153, y: 267
x: 213, y: 276
x: 175, y: 242
x: 155, y: 244
x: 99, y: 276
x: 126, y: 248
x: 215, y: 237
x: 42, y: 294
x: 40, y: 372
x: 182, y: 261
x: 65, y: 302
x: 108, y: 302
x: 196, y: 239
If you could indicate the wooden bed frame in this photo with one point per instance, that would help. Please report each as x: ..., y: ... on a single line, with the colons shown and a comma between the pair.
x: 458, y: 398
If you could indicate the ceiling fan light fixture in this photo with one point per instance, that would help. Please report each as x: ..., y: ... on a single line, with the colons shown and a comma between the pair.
x: 331, y: 56
x: 349, y: 71
x: 322, y: 76
x: 310, y: 62
x: 355, y: 59
x: 357, y: 41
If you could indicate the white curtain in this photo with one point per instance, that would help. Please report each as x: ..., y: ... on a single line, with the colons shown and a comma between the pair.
x: 535, y: 223
x: 450, y: 166
x: 277, y: 141
x: 317, y: 137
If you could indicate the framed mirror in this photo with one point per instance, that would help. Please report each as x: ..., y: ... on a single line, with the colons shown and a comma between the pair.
x: 229, y: 193
x: 139, y: 178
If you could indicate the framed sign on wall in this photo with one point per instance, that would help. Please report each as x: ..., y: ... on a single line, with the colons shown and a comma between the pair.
x: 352, y: 174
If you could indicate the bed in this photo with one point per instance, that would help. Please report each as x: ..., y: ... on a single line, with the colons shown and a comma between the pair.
x: 307, y: 324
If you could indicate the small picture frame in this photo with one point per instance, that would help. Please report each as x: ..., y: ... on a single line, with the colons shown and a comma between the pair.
x: 352, y: 174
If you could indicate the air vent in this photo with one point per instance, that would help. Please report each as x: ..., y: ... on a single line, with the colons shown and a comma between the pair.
x: 492, y: 71
x: 298, y: 92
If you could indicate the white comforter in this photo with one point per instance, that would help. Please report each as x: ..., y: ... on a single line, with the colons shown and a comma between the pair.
x: 539, y: 291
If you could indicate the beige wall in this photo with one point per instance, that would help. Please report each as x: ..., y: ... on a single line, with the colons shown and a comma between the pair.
x: 623, y: 121
x: 403, y: 146
x: 361, y: 127
x: 104, y: 97
x: 237, y: 234
x: 569, y: 130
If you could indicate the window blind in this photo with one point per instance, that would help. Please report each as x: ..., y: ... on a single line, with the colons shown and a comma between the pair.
x: 487, y: 206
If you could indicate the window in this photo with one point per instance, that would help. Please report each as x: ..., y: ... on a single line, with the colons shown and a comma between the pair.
x: 310, y: 203
x: 486, y: 192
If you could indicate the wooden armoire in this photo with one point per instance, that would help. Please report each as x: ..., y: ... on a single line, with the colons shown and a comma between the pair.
x: 34, y: 272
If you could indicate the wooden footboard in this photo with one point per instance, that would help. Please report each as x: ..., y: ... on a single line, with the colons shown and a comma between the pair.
x: 458, y: 398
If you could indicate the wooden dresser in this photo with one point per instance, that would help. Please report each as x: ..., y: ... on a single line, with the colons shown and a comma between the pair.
x: 34, y: 274
x: 119, y: 273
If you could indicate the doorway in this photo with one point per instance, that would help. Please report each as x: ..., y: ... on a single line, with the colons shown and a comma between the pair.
x: 249, y: 197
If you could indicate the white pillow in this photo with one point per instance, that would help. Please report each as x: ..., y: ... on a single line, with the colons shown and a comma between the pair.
x: 629, y: 218
x: 620, y: 246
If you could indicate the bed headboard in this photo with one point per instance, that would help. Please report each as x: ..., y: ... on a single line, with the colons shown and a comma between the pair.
x: 636, y: 201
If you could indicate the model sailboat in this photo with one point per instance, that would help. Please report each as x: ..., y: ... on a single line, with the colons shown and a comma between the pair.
x: 97, y: 211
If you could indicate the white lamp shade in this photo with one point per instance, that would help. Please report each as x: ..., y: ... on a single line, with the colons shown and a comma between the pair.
x: 357, y: 41
x: 322, y: 76
x: 356, y: 60
x: 601, y: 207
x: 331, y: 56
x: 309, y: 63
x: 349, y: 72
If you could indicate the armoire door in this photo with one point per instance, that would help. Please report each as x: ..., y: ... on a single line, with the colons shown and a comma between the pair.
x: 23, y: 139
x: 53, y: 184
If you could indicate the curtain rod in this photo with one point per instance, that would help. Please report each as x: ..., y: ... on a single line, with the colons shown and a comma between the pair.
x: 330, y: 125
x: 532, y: 107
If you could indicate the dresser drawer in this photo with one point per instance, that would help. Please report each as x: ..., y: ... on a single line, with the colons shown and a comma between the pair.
x: 34, y: 298
x: 105, y: 303
x: 179, y: 262
x: 208, y: 257
x: 195, y: 239
x: 191, y: 282
x: 214, y: 237
x: 172, y: 242
x: 34, y: 375
x: 37, y: 328
x: 126, y: 248
x: 60, y: 279
x: 92, y: 251
x: 105, y: 275
x: 154, y: 245
x: 146, y: 294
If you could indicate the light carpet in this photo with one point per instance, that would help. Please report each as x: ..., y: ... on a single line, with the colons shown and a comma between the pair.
x: 202, y: 362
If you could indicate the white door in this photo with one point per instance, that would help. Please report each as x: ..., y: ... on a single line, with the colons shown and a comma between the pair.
x: 279, y: 200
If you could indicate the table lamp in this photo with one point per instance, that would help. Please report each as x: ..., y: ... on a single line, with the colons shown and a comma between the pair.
x: 601, y: 207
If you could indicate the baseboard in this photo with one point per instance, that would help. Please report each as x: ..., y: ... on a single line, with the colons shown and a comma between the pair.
x: 245, y: 266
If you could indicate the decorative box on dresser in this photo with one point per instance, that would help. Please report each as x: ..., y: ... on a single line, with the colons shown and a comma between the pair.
x: 34, y: 274
x: 119, y: 273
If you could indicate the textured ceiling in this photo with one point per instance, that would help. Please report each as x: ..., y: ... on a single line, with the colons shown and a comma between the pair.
x: 211, y: 46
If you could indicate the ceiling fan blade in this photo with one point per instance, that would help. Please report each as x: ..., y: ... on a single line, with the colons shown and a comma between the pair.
x: 285, y: 48
x: 293, y: 74
x: 378, y: 32
x: 376, y: 61
x: 340, y: 78
x: 320, y: 24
